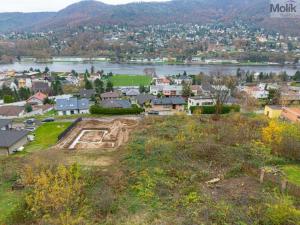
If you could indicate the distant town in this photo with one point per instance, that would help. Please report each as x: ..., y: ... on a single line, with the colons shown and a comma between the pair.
x: 218, y: 43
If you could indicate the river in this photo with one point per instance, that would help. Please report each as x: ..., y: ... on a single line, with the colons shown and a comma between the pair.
x: 136, y: 69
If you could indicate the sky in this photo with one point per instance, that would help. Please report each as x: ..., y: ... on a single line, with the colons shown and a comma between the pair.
x: 48, y: 5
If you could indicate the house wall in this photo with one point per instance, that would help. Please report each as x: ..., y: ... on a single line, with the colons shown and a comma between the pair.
x: 3, y: 151
x: 272, y: 113
x: 11, y: 149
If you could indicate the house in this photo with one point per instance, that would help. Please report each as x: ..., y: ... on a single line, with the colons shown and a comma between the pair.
x: 70, y: 106
x: 196, y: 90
x: 182, y: 80
x: 273, y: 111
x: 142, y: 99
x: 11, y: 111
x: 116, y: 104
x: 5, y: 124
x: 257, y: 92
x: 200, y: 101
x: 162, y: 81
x: 41, y: 86
x: 37, y: 99
x: 87, y: 93
x: 291, y: 114
x: 132, y: 92
x: 167, y: 106
x: 110, y: 96
x: 166, y: 90
x: 12, y: 140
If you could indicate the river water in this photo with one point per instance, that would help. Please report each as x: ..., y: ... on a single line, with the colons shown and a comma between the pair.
x: 137, y: 69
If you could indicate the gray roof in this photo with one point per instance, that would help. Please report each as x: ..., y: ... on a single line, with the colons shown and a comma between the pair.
x: 87, y: 93
x: 4, y: 122
x: 132, y: 92
x: 72, y: 104
x: 143, y: 98
x: 169, y: 101
x: 110, y: 95
x: 10, y: 137
x: 125, y: 104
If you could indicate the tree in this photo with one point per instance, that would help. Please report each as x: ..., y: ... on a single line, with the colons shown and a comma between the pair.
x: 92, y: 69
x: 219, y: 93
x: 274, y: 96
x: 28, y: 108
x: 186, y: 90
x: 296, y: 77
x: 109, y: 86
x: 48, y: 101
x: 142, y: 89
x: 24, y: 93
x: 87, y: 74
x: 46, y: 69
x: 99, y: 86
x: 88, y: 84
x: 56, y: 86
x: 8, y: 99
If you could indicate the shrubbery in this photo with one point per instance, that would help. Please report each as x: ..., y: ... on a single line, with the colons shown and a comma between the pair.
x: 95, y: 109
x: 212, y: 109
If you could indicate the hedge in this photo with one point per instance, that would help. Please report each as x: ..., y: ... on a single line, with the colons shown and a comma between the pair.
x: 212, y: 109
x: 95, y: 109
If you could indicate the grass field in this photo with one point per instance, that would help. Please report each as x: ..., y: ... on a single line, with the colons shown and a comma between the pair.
x: 8, y: 200
x: 46, y: 135
x: 293, y: 173
x: 130, y: 80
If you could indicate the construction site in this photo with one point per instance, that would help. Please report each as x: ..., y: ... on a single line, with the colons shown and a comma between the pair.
x: 106, y: 133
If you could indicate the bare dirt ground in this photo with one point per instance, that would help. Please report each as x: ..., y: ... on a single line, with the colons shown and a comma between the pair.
x: 101, y: 134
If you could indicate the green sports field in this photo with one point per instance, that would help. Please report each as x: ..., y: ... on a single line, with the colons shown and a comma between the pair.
x: 130, y: 80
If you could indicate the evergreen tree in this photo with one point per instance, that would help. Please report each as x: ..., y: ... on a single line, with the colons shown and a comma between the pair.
x: 109, y: 86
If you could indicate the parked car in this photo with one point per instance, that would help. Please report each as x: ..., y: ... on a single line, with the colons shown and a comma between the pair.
x: 48, y: 120
x: 30, y: 128
x: 30, y: 121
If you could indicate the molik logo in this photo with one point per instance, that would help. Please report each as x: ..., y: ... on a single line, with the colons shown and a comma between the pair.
x: 285, y: 8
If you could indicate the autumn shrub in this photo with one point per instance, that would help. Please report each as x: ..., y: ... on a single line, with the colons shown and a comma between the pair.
x: 283, y: 138
x: 55, y: 196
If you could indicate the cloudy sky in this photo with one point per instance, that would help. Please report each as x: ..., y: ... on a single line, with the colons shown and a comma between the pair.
x: 47, y: 5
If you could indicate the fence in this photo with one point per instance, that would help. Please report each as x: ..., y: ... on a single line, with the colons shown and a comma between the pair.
x: 66, y: 131
x: 276, y: 179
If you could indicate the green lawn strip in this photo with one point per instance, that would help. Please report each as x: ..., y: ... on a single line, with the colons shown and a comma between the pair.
x: 46, y: 135
x: 8, y: 201
x: 292, y: 173
x: 130, y: 80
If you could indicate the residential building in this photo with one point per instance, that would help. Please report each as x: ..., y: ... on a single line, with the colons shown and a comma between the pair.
x: 11, y: 111
x: 200, y: 101
x: 110, y: 95
x: 166, y: 90
x: 142, y: 99
x: 273, y: 111
x: 5, y: 124
x: 41, y: 86
x: 166, y: 106
x: 70, y: 106
x: 87, y: 93
x: 37, y: 99
x: 116, y: 104
x: 12, y: 140
x: 182, y: 79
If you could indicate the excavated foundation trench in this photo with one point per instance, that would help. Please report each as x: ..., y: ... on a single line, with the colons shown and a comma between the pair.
x: 98, y: 133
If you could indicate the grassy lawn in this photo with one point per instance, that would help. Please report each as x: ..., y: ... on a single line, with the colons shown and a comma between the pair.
x: 293, y: 173
x: 8, y: 200
x: 46, y: 135
x: 130, y: 80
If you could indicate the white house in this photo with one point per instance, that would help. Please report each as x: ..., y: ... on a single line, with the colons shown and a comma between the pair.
x: 70, y: 106
x: 200, y: 101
